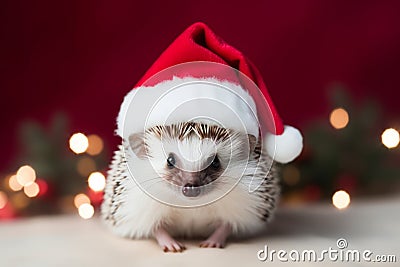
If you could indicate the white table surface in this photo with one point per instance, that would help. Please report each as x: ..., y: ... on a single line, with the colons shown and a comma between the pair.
x: 68, y: 240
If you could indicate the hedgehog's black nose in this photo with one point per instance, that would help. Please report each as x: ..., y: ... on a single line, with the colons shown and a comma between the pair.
x: 191, y: 190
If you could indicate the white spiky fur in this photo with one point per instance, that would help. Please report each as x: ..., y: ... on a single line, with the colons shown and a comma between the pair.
x: 131, y: 212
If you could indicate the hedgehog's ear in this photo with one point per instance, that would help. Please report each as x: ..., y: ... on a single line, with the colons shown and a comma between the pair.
x: 252, y: 142
x: 136, y: 142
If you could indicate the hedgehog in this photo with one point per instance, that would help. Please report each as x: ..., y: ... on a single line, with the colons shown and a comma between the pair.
x: 201, y: 144
x: 132, y: 213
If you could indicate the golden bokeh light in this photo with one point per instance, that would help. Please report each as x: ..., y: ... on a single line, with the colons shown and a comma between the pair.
x: 3, y: 199
x: 26, y: 175
x: 78, y: 143
x: 341, y: 199
x: 95, y: 145
x: 81, y: 199
x: 97, y: 181
x: 31, y: 190
x: 86, y: 211
x: 14, y: 184
x: 339, y: 118
x: 86, y: 166
x: 390, y: 138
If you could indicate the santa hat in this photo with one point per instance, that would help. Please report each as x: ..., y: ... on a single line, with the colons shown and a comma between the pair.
x: 199, y: 55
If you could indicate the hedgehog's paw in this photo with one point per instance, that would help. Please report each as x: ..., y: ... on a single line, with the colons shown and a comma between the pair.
x: 166, y: 242
x: 171, y: 245
x: 218, y: 238
x: 210, y: 243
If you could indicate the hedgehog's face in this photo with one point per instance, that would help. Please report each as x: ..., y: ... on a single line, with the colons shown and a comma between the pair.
x: 191, y: 156
x: 190, y: 163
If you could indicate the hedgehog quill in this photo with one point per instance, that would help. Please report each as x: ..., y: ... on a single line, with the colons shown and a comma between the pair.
x: 200, y: 142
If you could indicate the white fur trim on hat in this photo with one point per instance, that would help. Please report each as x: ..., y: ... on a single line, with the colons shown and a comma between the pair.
x: 180, y: 100
x: 186, y: 99
x: 285, y: 147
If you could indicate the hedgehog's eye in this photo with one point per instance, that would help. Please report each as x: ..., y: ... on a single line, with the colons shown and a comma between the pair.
x: 171, y: 161
x: 215, y: 164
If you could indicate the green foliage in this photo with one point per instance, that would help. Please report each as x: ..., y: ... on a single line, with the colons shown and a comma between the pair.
x: 352, y: 157
x: 47, y: 151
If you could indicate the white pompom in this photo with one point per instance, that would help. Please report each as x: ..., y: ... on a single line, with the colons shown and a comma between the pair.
x: 285, y: 147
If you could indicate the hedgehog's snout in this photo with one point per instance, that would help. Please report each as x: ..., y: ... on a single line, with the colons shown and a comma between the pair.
x: 191, y: 190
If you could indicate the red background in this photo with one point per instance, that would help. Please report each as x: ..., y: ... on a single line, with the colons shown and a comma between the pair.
x: 82, y: 57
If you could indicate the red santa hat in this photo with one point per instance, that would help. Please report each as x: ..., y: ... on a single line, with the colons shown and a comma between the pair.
x: 200, y: 55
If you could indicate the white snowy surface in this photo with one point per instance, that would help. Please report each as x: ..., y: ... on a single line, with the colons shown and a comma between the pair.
x: 71, y: 241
